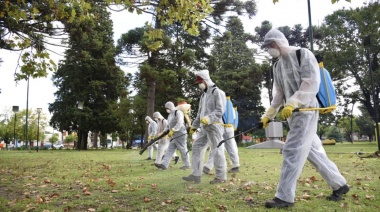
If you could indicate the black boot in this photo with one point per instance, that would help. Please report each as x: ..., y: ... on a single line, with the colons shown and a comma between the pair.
x: 176, y: 158
x: 192, y: 178
x: 234, y: 170
x: 337, y: 194
x: 160, y: 166
x: 206, y: 170
x: 277, y: 203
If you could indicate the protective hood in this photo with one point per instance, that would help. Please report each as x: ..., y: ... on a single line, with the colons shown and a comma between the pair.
x: 275, y: 35
x: 206, y: 77
x: 170, y: 105
x: 148, y: 119
x: 157, y: 115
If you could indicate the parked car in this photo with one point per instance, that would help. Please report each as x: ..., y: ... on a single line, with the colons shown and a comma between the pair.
x: 58, y: 146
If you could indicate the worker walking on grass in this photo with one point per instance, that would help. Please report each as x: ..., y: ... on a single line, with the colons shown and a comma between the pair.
x: 212, y: 105
x: 152, y: 130
x: 177, y: 135
x: 230, y: 120
x: 163, y: 143
x: 296, y: 86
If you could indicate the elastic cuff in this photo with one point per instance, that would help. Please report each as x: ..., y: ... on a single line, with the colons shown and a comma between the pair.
x: 208, y: 120
x: 270, y: 113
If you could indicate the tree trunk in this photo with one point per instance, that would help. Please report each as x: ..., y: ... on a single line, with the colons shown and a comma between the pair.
x: 84, y: 140
x: 95, y: 134
x: 150, y: 104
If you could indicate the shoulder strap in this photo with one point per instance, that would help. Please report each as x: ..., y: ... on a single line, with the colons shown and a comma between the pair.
x: 214, y: 88
x: 298, y: 53
x: 175, y: 113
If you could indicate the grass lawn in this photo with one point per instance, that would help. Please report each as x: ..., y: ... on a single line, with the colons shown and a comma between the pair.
x: 122, y: 180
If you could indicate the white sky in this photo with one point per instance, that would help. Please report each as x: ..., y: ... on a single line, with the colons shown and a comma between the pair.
x: 41, y: 91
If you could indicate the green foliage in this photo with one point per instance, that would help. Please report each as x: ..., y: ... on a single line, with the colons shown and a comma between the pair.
x: 13, y: 125
x: 232, y: 64
x: 24, y: 24
x: 342, y: 46
x: 344, y: 123
x: 365, y: 124
x: 71, y: 138
x: 88, y: 74
x: 334, y: 133
x: 54, y: 138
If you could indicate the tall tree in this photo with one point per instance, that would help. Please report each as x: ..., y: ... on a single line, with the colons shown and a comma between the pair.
x: 365, y: 124
x: 235, y: 71
x: 342, y: 46
x: 152, y: 67
x: 88, y: 74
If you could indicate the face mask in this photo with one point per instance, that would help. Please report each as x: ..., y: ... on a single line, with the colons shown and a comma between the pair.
x: 168, y: 110
x: 156, y: 119
x: 147, y: 122
x: 202, y: 86
x: 274, y: 52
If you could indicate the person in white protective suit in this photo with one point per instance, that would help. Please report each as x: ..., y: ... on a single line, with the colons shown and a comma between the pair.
x: 296, y: 86
x: 212, y: 106
x: 230, y: 121
x: 177, y: 136
x: 152, y: 131
x: 163, y: 143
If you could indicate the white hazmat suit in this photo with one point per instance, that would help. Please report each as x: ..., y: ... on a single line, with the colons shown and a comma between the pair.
x: 230, y: 119
x: 163, y: 143
x: 152, y: 131
x: 179, y: 137
x: 212, y: 106
x: 296, y: 86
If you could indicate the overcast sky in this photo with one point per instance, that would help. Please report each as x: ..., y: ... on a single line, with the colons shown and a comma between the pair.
x: 41, y: 91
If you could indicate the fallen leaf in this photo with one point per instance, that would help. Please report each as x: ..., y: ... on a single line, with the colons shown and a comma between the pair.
x: 146, y: 199
x: 369, y: 196
x: 168, y: 201
x: 153, y: 185
x: 182, y: 209
x: 355, y: 196
x: 305, y: 196
x: 319, y: 195
x: 77, y: 195
x: 222, y: 207
x: 91, y: 209
x: 40, y: 200
x: 313, y: 178
x: 114, y: 191
x: 344, y: 205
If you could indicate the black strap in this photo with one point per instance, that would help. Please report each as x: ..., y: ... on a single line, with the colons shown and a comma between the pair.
x: 175, y: 113
x: 298, y: 53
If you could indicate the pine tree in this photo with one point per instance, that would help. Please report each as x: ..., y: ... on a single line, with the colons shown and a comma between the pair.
x: 235, y: 71
x: 89, y: 74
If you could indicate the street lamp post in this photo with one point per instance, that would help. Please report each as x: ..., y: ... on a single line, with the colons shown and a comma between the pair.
x: 27, y: 107
x: 310, y: 27
x: 38, y: 125
x: 15, y: 110
x: 80, y: 107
